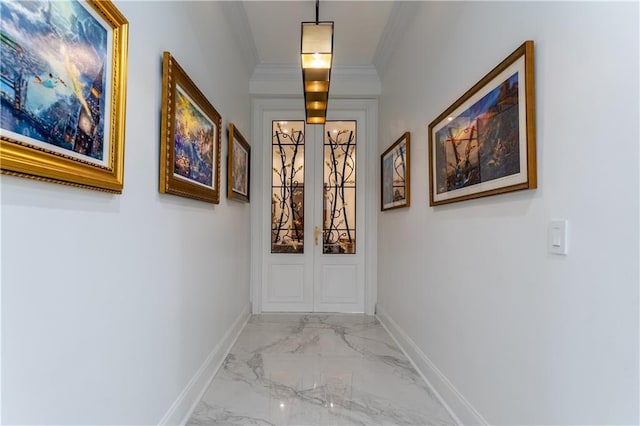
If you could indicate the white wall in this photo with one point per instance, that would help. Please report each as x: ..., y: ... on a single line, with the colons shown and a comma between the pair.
x: 524, y: 336
x: 111, y: 303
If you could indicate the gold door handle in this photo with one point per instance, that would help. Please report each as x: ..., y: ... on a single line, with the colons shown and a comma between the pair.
x: 316, y: 232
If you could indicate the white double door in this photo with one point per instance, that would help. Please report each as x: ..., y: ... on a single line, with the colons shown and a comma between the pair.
x: 313, y: 231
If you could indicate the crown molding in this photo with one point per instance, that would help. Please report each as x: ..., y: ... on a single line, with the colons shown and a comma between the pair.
x: 286, y: 80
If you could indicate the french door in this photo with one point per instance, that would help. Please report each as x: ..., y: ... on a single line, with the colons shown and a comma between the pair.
x: 313, y: 221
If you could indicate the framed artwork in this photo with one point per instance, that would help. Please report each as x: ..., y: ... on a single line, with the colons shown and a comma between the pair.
x: 395, y: 164
x: 238, y: 166
x: 485, y: 143
x: 189, y: 137
x: 63, y: 92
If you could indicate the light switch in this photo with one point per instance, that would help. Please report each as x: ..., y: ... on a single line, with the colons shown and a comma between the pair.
x: 557, y: 237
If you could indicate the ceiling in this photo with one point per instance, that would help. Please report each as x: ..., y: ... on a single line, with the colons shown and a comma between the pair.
x: 359, y: 28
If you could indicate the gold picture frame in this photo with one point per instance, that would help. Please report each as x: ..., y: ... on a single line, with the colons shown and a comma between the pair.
x: 189, y: 139
x: 395, y: 174
x: 238, y: 166
x: 485, y: 143
x: 64, y: 94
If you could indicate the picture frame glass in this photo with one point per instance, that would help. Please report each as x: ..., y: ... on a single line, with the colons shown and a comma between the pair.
x: 238, y: 165
x: 57, y: 62
x: 240, y: 183
x: 395, y: 171
x: 485, y: 131
x: 194, y: 142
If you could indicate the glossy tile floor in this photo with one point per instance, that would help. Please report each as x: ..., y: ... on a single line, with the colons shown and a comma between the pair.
x: 292, y: 369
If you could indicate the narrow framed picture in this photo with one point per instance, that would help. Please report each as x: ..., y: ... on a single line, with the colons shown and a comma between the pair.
x: 485, y: 143
x: 238, y: 166
x: 189, y: 137
x: 63, y: 92
x: 395, y: 165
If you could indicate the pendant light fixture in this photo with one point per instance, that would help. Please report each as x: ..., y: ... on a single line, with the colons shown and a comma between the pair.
x: 316, y: 49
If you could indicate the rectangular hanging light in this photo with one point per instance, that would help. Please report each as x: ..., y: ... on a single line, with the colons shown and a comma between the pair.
x: 316, y: 49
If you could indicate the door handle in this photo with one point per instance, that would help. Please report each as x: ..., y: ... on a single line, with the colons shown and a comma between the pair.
x: 316, y: 232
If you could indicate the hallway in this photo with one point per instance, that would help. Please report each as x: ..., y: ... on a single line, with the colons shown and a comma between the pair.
x: 317, y: 369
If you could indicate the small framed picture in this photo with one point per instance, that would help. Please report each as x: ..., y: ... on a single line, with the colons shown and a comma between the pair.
x: 396, y: 166
x: 190, y: 137
x: 485, y: 143
x: 238, y: 166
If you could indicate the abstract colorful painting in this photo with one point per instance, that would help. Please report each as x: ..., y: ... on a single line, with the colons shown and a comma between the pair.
x: 193, y: 142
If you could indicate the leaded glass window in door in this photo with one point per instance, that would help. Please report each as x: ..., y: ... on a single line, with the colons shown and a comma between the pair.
x: 339, y: 188
x: 287, y: 187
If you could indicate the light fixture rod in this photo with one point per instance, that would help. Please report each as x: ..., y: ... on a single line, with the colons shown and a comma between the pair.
x: 317, y: 9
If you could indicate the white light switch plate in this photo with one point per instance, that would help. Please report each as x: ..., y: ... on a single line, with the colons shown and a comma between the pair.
x: 557, y: 239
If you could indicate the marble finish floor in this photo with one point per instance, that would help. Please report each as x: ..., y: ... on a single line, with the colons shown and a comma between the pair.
x: 317, y: 369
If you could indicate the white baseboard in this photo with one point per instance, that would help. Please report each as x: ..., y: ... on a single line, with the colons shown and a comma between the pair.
x: 186, y: 402
x: 457, y: 405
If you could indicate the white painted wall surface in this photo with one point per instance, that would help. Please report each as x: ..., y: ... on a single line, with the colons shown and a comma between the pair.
x: 111, y: 303
x: 526, y: 337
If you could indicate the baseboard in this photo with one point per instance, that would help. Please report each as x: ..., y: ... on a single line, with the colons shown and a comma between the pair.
x: 457, y: 405
x: 186, y: 402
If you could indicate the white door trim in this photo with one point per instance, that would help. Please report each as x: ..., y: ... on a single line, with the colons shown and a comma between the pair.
x: 259, y: 106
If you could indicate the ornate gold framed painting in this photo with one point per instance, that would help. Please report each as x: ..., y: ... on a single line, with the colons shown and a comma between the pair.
x: 63, y: 92
x: 238, y: 166
x: 395, y: 165
x: 190, y: 137
x: 485, y: 143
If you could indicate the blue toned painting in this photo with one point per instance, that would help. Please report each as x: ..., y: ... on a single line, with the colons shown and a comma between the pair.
x: 387, y: 183
x: 194, y: 142
x: 482, y: 143
x: 52, y: 63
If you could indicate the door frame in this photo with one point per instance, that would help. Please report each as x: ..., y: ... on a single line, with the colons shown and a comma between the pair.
x: 259, y: 106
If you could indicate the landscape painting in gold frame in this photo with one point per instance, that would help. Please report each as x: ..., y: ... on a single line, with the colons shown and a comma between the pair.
x: 63, y: 92
x: 189, y: 139
x: 238, y: 166
x: 485, y: 143
x: 395, y: 174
